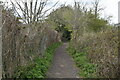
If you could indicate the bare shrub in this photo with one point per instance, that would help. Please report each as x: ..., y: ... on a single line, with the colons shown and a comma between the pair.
x: 102, y: 49
x: 23, y: 42
x: 104, y: 52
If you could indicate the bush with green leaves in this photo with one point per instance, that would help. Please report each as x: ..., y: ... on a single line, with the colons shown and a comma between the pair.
x: 39, y: 67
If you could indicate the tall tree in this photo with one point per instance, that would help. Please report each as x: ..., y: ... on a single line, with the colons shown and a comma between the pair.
x: 97, y: 8
x: 31, y: 10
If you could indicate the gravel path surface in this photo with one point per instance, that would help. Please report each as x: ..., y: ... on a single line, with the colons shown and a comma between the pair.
x: 63, y: 65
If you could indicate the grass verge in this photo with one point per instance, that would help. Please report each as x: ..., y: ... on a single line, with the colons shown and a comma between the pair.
x: 87, y: 69
x: 40, y: 66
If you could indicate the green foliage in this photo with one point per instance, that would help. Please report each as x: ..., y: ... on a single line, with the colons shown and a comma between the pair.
x: 40, y: 66
x: 61, y: 17
x: 75, y: 21
x: 87, y: 69
x: 97, y: 24
x: 60, y: 20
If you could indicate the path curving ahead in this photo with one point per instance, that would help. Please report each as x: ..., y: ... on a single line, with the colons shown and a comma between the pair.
x: 63, y: 65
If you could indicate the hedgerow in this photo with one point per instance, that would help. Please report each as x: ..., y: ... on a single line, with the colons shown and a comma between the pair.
x: 101, y: 49
x: 40, y: 65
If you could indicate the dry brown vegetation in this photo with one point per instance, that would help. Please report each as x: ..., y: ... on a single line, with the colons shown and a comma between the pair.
x: 22, y: 43
x: 102, y: 49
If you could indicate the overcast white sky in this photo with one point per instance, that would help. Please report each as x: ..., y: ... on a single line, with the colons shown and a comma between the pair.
x: 111, y: 7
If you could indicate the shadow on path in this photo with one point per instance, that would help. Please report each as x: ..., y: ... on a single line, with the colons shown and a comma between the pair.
x: 63, y: 65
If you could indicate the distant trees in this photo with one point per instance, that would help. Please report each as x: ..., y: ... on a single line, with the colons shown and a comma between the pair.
x: 60, y: 20
x: 97, y: 8
x: 96, y: 25
x: 78, y: 19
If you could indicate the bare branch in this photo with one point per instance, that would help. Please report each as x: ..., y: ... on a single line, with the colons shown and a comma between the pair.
x: 27, y: 13
x: 31, y: 5
x: 15, y: 9
x: 35, y: 9
x: 49, y: 9
x: 31, y: 10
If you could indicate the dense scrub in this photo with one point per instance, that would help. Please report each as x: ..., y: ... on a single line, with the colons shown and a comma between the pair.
x: 23, y: 42
x: 102, y: 50
x: 39, y: 67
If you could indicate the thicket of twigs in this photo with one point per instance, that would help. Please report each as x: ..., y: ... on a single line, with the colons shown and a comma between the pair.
x: 102, y: 49
x: 23, y: 42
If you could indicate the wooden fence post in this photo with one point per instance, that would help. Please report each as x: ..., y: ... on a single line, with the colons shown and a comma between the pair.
x: 1, y: 41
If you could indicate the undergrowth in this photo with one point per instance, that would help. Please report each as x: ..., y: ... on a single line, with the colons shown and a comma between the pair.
x: 101, y: 48
x: 87, y: 69
x: 40, y: 66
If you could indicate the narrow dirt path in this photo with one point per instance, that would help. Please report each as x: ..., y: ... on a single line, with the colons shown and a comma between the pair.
x: 63, y: 65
